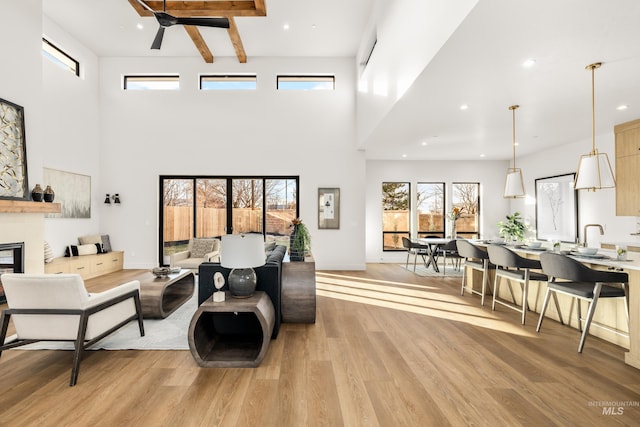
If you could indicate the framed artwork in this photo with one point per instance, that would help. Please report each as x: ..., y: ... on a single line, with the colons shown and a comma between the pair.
x: 72, y: 191
x: 557, y: 208
x: 328, y: 208
x: 13, y: 152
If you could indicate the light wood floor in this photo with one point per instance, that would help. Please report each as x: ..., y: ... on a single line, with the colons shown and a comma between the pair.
x: 389, y: 348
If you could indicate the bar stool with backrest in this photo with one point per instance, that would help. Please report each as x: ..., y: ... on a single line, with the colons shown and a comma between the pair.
x: 415, y: 249
x: 513, y: 267
x: 582, y: 283
x: 476, y: 259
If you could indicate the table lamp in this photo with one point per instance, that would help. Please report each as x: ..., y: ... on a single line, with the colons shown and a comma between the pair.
x: 241, y: 253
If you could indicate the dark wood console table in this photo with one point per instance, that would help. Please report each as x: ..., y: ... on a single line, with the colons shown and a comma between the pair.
x: 234, y: 333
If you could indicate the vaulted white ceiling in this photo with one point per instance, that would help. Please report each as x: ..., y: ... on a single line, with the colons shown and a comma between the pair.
x: 479, y: 66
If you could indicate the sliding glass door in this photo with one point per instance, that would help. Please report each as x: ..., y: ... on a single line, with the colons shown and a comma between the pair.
x: 209, y: 206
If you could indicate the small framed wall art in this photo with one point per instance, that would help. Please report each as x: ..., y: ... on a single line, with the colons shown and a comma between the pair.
x: 13, y: 152
x: 328, y: 208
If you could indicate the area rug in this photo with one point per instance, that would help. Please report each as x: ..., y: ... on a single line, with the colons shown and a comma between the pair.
x: 421, y: 270
x: 160, y: 334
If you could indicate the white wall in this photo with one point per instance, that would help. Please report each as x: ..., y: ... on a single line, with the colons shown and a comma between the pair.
x: 400, y: 56
x: 593, y: 207
x: 490, y: 174
x: 263, y: 132
x: 71, y: 130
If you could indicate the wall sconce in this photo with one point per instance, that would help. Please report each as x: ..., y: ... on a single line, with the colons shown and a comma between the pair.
x: 115, y: 198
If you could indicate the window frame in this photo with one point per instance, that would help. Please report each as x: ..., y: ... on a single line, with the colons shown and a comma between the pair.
x: 281, y: 79
x: 399, y: 233
x: 443, y: 223
x: 160, y: 77
x: 228, y: 78
x: 58, y: 57
x: 477, y: 232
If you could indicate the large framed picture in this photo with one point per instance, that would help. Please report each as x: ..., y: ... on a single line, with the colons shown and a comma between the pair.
x: 557, y: 208
x: 13, y: 152
x: 328, y: 208
x: 73, y: 192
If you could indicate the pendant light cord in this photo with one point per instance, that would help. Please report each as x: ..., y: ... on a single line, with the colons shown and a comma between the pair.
x: 593, y: 67
x: 513, y: 110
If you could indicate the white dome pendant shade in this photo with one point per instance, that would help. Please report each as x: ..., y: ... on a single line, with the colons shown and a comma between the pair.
x: 514, y: 185
x: 594, y: 169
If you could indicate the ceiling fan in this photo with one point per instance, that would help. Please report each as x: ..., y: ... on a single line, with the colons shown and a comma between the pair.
x: 165, y: 20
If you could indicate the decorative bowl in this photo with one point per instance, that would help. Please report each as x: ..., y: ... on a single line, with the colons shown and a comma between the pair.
x: 587, y: 251
x: 161, y: 271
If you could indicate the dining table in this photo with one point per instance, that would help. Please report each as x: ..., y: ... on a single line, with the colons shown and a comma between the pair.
x: 433, y: 244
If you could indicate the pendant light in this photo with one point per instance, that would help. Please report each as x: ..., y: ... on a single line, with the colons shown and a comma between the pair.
x: 594, y: 169
x: 514, y: 186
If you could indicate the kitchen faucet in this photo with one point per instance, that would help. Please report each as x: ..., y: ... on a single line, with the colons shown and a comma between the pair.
x: 585, y: 232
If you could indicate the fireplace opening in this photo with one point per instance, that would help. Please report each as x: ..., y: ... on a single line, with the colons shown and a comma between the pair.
x: 11, y: 261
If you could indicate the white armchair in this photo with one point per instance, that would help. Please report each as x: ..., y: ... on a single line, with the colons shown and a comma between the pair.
x: 200, y: 250
x: 57, y: 307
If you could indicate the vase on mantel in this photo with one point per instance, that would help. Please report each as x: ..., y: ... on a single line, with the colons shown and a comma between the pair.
x: 37, y: 193
x: 49, y: 195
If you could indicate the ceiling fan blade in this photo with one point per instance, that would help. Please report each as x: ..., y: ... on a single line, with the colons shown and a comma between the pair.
x: 204, y: 22
x: 157, y: 41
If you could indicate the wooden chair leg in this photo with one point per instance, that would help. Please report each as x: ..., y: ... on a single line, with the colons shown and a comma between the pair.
x: 592, y: 309
x: 544, y: 308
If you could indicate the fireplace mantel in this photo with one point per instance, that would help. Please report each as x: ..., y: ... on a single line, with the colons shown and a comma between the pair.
x: 26, y: 206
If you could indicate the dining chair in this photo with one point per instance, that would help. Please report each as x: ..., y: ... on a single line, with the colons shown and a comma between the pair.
x: 570, y: 277
x: 513, y: 267
x: 415, y: 249
x: 475, y: 258
x: 450, y: 250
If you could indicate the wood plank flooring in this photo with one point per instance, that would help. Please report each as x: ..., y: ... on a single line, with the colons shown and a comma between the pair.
x: 389, y: 348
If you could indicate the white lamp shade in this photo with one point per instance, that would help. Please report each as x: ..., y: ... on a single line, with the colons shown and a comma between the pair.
x: 242, y: 251
x: 594, y: 172
x: 514, y: 186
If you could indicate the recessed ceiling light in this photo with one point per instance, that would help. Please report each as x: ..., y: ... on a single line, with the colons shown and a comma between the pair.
x: 464, y: 107
x: 313, y: 26
x: 424, y: 143
x: 404, y: 156
x: 286, y: 27
x: 516, y: 143
x: 482, y: 155
x: 622, y: 107
x: 139, y: 26
x: 529, y: 63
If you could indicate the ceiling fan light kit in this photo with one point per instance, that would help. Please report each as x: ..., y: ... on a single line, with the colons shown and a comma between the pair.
x: 594, y: 169
x: 514, y: 185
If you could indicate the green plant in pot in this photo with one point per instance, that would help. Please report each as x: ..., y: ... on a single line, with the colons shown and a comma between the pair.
x: 299, y: 241
x: 513, y: 229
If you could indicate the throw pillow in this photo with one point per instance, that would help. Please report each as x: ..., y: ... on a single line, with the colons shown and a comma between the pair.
x: 89, y: 249
x: 268, y: 247
x: 94, y: 238
x: 200, y: 247
x: 71, y: 250
x: 48, y: 253
x: 106, y: 243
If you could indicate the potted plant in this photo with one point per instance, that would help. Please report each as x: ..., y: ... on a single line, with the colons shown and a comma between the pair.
x: 513, y: 228
x: 299, y: 240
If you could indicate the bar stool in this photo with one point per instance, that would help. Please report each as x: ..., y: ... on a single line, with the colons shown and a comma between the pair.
x: 581, y: 282
x: 512, y: 266
x: 476, y: 259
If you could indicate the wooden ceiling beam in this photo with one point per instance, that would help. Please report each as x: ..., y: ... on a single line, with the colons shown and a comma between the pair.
x: 204, y: 8
x: 227, y: 9
x: 204, y: 50
x: 236, y: 41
